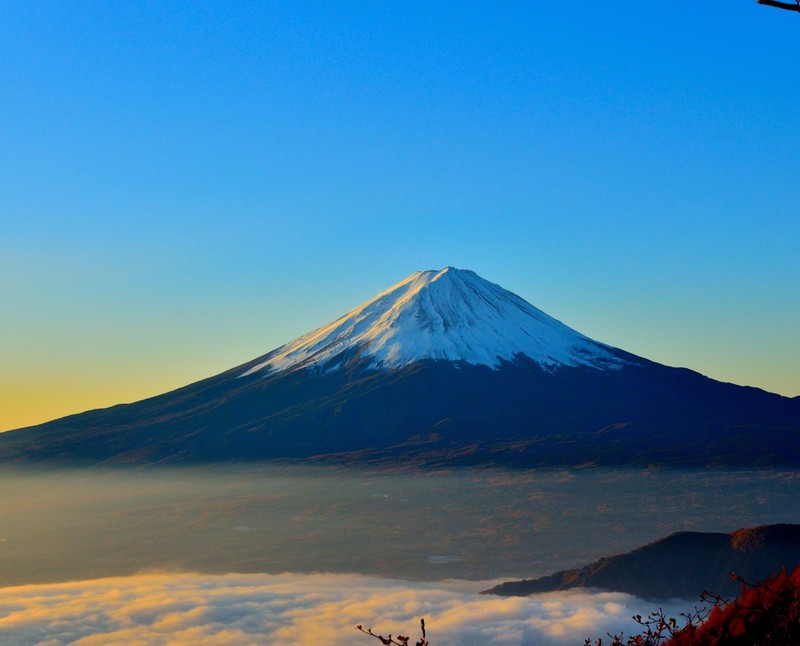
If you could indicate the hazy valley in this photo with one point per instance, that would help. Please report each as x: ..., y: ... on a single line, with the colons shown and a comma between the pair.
x: 476, y: 524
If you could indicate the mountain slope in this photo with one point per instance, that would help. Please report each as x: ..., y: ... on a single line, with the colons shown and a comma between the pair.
x: 681, y: 565
x: 447, y: 315
x: 443, y: 368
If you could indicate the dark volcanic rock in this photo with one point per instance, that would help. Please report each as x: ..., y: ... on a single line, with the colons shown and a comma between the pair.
x: 681, y: 565
x: 436, y: 412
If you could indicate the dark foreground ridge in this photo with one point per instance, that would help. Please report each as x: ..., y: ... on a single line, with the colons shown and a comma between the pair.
x: 682, y: 565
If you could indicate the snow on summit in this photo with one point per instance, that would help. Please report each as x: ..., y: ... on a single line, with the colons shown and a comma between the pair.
x: 450, y: 314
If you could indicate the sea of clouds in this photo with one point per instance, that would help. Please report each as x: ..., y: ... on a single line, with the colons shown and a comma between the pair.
x: 294, y: 609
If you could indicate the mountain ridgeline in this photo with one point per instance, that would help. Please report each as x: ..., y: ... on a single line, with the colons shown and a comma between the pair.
x: 444, y: 368
x: 681, y: 565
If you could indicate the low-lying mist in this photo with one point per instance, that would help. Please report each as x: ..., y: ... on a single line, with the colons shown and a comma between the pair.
x: 424, y: 526
x: 296, y: 610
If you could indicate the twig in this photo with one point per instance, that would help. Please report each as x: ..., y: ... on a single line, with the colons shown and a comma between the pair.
x: 400, y: 640
x: 781, y: 5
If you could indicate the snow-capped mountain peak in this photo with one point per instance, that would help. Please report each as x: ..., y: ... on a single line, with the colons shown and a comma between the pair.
x: 450, y: 314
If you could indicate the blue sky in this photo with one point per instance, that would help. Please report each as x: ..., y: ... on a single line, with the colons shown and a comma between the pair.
x: 184, y: 186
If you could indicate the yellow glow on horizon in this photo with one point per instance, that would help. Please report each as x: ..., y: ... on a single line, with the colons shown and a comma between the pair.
x: 28, y: 402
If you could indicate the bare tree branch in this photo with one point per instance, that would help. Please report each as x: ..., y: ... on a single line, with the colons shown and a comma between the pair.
x: 781, y: 5
x: 399, y: 640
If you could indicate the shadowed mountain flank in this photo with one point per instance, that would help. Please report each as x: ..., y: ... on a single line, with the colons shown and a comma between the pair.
x: 444, y: 368
x: 681, y: 565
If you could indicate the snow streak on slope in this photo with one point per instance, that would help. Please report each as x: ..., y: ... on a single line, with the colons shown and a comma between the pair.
x: 451, y: 315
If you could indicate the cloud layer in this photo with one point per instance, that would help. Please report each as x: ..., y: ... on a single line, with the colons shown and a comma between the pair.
x: 294, y: 609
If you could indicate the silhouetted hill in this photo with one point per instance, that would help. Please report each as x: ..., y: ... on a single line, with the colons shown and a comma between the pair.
x: 681, y: 565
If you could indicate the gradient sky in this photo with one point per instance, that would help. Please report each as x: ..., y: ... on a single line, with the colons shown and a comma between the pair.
x: 185, y: 186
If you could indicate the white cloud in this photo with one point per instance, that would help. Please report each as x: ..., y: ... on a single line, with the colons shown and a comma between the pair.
x: 295, y: 609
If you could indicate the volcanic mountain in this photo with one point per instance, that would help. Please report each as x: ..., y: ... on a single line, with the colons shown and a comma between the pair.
x: 442, y: 368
